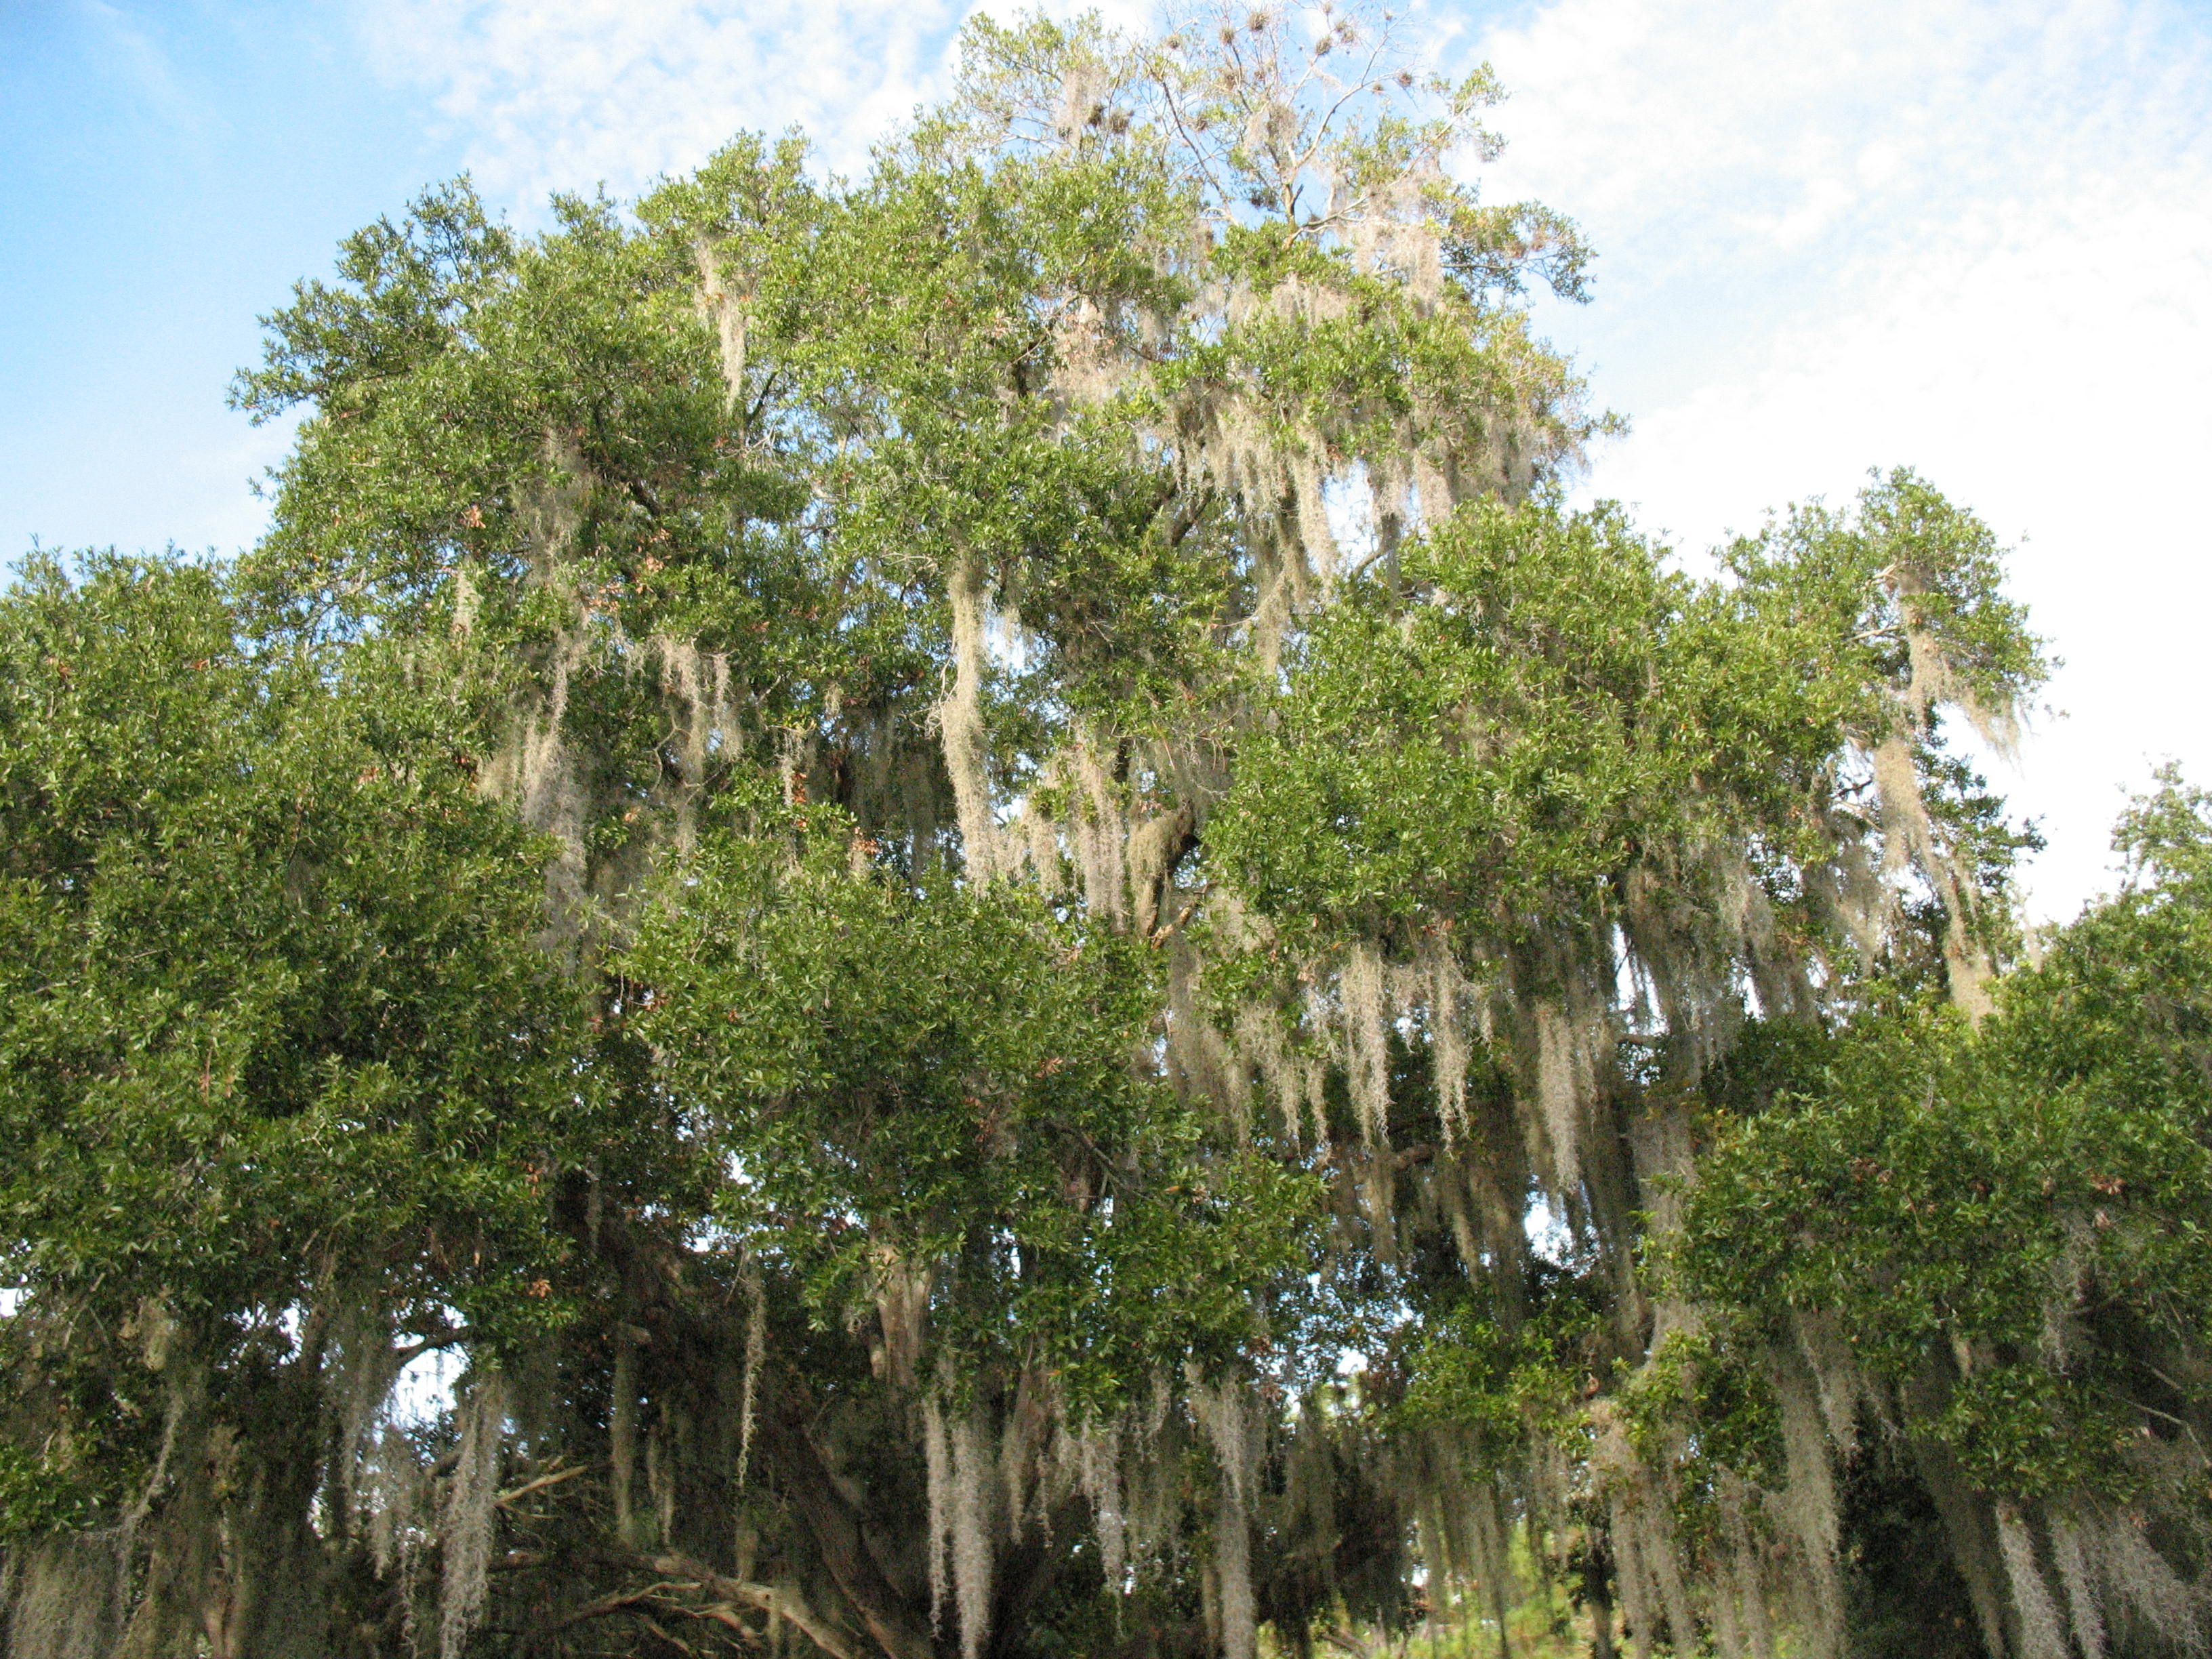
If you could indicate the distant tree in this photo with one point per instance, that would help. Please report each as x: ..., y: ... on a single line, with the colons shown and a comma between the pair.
x: 970, y: 877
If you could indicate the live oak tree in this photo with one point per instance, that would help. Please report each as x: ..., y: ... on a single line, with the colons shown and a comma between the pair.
x: 968, y: 876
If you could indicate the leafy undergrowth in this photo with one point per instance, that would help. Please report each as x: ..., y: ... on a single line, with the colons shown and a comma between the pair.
x: 1545, y: 1626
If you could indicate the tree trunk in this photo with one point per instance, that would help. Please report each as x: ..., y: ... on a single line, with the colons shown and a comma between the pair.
x: 1597, y: 1596
x: 890, y: 1620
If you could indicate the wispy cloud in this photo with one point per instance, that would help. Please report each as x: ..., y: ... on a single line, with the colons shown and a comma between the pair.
x: 1730, y: 155
x: 566, y: 93
x: 129, y: 50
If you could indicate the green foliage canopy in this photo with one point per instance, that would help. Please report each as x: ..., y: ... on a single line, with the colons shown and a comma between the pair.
x: 969, y: 874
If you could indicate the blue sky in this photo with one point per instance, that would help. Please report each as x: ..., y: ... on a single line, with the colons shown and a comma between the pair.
x: 169, y: 170
x: 1971, y: 235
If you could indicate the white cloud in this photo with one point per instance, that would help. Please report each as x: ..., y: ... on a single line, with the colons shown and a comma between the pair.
x: 1975, y: 239
x: 567, y: 93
